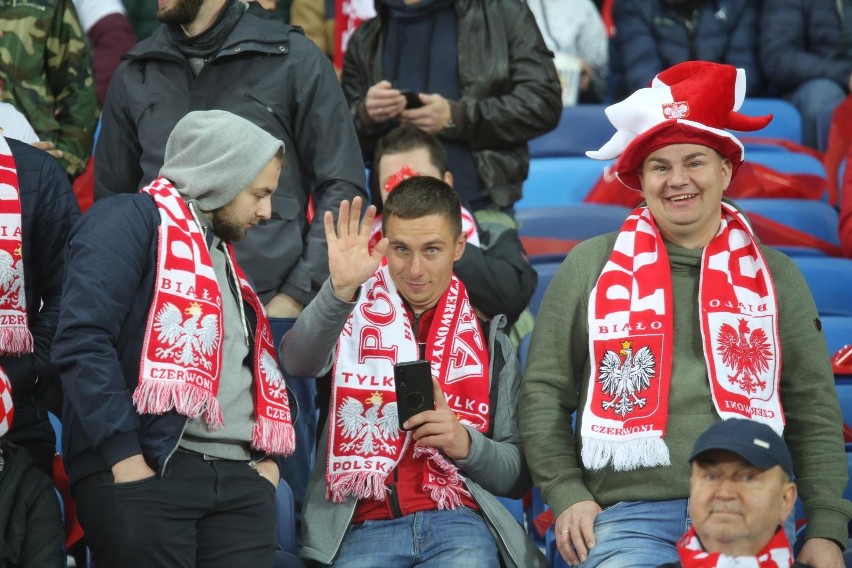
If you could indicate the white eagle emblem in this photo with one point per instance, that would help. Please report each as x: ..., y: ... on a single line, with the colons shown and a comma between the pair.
x: 677, y: 109
x: 12, y: 279
x: 272, y: 374
x: 188, y: 342
x: 747, y: 352
x: 368, y: 430
x: 624, y: 380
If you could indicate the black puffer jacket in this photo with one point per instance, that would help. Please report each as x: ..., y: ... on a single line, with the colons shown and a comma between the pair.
x: 48, y: 211
x: 801, y: 40
x: 268, y: 73
x: 31, y: 531
x: 510, y: 90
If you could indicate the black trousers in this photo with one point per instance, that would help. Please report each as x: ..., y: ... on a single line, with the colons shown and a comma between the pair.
x: 202, y: 513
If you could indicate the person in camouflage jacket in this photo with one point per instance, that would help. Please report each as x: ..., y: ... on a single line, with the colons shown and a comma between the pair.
x: 46, y: 74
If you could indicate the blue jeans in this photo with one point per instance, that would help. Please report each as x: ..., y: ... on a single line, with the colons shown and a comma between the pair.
x: 813, y: 98
x: 459, y: 538
x: 297, y: 468
x: 644, y: 534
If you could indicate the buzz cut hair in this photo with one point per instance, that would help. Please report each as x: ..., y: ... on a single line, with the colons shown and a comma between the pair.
x: 421, y: 196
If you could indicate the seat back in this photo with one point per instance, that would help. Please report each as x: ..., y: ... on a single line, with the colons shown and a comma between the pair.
x: 546, y: 271
x: 559, y: 181
x: 786, y: 121
x: 829, y: 280
x: 580, y: 128
x: 571, y: 222
x: 816, y: 218
x: 286, y: 518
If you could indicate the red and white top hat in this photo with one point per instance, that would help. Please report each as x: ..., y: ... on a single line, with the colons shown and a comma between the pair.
x: 6, y: 407
x: 690, y: 103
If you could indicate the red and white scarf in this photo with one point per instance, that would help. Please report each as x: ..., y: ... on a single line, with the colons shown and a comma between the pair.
x: 7, y: 408
x: 15, y: 336
x: 776, y: 554
x: 365, y: 443
x: 631, y: 338
x: 182, y: 352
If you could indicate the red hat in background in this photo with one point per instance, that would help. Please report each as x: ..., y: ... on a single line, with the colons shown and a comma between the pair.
x: 690, y: 103
x: 7, y: 409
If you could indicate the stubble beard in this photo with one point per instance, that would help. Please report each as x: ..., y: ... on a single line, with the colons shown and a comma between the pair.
x: 182, y: 13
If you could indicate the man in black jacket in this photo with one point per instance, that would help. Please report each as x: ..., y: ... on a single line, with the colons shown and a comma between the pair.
x: 216, y: 54
x: 478, y: 76
x: 34, y: 225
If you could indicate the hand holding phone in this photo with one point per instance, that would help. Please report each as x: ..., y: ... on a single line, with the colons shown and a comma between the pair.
x: 413, y: 389
x: 412, y: 99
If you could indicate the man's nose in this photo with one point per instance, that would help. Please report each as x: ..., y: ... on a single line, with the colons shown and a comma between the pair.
x: 416, y: 266
x: 677, y: 176
x: 264, y: 209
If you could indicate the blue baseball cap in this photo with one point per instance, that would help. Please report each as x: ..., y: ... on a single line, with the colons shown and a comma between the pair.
x: 755, y: 442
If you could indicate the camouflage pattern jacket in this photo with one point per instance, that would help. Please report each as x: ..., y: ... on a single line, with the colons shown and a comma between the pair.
x: 46, y: 72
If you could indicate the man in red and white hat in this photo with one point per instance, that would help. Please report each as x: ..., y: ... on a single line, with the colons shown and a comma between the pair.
x: 655, y: 332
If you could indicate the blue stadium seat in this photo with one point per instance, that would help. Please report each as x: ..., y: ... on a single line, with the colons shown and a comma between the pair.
x: 559, y: 181
x: 515, y: 508
x: 837, y: 331
x: 571, y: 222
x: 829, y: 280
x: 787, y: 162
x: 844, y: 396
x: 580, y: 128
x: 545, y: 271
x: 786, y: 121
x: 286, y: 519
x: 817, y: 218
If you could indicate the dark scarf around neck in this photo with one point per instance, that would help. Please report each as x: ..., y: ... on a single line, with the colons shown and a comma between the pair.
x: 209, y: 41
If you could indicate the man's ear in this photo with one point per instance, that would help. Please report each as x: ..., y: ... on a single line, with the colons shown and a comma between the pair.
x: 788, y: 498
x: 448, y: 178
x: 727, y: 173
x: 461, y: 242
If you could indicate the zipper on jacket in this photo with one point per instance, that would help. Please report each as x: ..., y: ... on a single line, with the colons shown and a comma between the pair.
x: 171, y: 453
x: 268, y: 109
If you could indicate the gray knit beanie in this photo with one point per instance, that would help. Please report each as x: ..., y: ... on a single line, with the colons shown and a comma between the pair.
x: 212, y: 155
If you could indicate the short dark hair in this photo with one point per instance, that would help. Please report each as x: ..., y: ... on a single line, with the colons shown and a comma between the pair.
x: 407, y: 138
x: 420, y: 196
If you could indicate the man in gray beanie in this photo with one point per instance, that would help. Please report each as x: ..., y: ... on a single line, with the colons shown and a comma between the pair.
x: 175, y: 410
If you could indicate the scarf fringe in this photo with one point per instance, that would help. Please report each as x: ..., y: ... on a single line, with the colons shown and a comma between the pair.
x: 157, y: 397
x: 273, y: 436
x: 16, y: 341
x: 448, y: 494
x: 625, y: 455
x: 360, y: 484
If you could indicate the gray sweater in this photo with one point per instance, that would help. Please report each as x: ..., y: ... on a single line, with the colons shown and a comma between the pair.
x: 495, y: 465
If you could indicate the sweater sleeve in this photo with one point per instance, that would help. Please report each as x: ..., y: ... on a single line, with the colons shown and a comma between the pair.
x: 556, y: 367
x: 813, y: 429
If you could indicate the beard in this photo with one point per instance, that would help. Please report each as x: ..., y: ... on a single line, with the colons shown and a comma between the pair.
x: 182, y: 13
x: 226, y: 226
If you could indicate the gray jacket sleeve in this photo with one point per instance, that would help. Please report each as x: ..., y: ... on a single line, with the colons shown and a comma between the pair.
x: 497, y: 463
x: 307, y: 350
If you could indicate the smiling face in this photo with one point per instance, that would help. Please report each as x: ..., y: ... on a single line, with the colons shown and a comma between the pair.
x: 683, y: 185
x: 420, y: 257
x: 253, y: 204
x: 736, y: 507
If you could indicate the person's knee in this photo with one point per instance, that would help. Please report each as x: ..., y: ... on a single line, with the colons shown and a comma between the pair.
x: 813, y: 96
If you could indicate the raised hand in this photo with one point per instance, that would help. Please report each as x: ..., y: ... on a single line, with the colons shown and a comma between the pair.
x: 350, y: 262
x: 440, y: 428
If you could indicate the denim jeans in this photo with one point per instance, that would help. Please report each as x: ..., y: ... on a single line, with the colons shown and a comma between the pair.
x: 297, y: 468
x: 644, y: 534
x: 429, y: 539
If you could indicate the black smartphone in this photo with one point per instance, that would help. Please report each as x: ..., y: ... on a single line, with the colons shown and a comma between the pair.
x: 412, y: 99
x: 413, y: 389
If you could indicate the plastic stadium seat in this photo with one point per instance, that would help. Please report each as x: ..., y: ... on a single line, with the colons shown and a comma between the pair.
x: 545, y: 271
x: 514, y: 506
x: 816, y: 218
x: 580, y: 128
x: 844, y: 396
x: 572, y: 222
x: 786, y: 121
x: 829, y: 280
x: 286, y: 519
x: 559, y: 181
x: 787, y: 162
x: 837, y: 331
